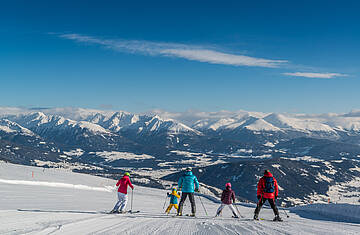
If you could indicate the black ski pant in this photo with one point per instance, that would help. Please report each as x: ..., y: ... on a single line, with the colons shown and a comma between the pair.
x: 272, y: 204
x: 192, y: 201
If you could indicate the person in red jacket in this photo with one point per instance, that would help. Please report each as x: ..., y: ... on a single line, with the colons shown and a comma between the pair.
x: 267, y: 190
x: 123, y: 184
x: 227, y: 198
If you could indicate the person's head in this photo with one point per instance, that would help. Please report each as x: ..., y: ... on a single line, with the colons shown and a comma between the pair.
x: 174, y: 189
x: 228, y: 185
x: 188, y: 169
x: 266, y: 172
x: 127, y: 174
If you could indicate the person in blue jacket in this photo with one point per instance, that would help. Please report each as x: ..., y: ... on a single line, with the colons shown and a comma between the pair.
x: 188, y: 184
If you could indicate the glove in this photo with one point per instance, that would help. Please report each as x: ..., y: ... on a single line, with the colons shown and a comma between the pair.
x: 276, y: 197
x: 168, y: 193
x: 258, y: 197
x: 197, y: 190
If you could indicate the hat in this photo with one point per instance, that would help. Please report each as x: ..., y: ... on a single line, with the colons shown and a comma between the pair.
x: 188, y: 169
x: 228, y: 185
x: 127, y: 174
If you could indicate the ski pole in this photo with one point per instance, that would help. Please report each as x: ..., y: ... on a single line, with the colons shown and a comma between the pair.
x: 203, y: 205
x: 285, y: 212
x: 257, y: 209
x: 132, y: 198
x: 165, y: 201
x: 258, y: 203
x: 237, y: 209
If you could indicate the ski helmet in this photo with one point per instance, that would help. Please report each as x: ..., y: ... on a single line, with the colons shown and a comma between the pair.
x: 188, y: 169
x: 127, y: 174
x: 228, y: 185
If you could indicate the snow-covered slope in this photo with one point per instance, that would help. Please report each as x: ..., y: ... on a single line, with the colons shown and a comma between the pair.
x: 291, y: 123
x: 70, y: 203
x: 261, y: 125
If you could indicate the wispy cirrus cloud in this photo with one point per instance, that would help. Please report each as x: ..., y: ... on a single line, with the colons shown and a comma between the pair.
x: 189, y: 52
x: 316, y: 75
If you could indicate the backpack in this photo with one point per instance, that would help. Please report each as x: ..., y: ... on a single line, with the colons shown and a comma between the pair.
x: 269, y: 185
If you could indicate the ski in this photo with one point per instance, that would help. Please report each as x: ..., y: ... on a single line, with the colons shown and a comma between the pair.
x: 185, y: 215
x: 189, y: 215
x: 262, y: 219
x: 120, y: 213
x: 132, y: 212
x: 258, y: 219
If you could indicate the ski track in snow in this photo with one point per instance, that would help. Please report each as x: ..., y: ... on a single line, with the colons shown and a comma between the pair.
x: 56, y: 185
x: 52, y: 209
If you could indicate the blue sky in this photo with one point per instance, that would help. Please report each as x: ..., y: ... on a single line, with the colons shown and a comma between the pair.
x: 271, y: 56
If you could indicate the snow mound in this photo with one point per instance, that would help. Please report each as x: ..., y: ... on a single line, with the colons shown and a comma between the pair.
x: 338, y: 212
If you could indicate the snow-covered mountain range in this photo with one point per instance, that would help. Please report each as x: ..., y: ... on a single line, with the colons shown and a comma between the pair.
x: 159, y: 143
x: 194, y: 122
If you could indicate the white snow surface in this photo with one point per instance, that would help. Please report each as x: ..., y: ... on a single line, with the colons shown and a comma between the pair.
x: 43, y: 209
x: 75, y: 152
x: 114, y: 155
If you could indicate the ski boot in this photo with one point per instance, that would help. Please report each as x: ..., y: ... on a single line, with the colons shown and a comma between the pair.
x: 277, y: 218
x: 113, y: 211
x: 179, y: 214
x: 192, y: 215
x: 256, y: 217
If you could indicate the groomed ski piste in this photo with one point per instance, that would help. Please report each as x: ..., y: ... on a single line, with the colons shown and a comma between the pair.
x: 36, y: 200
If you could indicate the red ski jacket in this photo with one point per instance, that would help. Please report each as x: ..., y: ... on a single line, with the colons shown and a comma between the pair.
x: 261, y: 187
x: 228, y: 196
x: 124, y: 182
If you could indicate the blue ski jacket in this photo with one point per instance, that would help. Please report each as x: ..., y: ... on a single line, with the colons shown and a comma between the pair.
x: 188, y: 183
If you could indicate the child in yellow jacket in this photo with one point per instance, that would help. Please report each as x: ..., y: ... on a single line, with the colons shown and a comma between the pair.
x: 173, y: 200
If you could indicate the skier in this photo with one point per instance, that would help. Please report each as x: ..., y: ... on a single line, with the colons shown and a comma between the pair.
x: 227, y: 197
x: 123, y: 184
x: 267, y: 189
x: 173, y: 200
x: 186, y: 185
